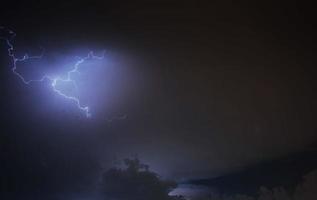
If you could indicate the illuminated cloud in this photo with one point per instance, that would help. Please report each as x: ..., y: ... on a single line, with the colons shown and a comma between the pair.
x: 60, y: 84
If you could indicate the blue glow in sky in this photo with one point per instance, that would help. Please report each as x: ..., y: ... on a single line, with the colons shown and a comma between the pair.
x: 65, y: 84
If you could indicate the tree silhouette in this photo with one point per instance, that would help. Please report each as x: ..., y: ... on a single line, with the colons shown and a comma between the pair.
x: 135, y: 182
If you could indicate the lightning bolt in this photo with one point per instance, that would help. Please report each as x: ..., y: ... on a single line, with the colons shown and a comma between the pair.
x: 53, y: 80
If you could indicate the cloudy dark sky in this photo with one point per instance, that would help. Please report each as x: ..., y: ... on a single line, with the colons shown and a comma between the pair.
x: 208, y: 88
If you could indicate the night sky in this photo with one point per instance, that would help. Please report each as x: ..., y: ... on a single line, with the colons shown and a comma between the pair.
x: 195, y: 90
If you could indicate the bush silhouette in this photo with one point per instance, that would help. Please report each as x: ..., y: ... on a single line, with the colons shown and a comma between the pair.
x: 135, y: 182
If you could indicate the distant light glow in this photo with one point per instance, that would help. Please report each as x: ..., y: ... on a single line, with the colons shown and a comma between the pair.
x: 55, y: 81
x: 191, y: 191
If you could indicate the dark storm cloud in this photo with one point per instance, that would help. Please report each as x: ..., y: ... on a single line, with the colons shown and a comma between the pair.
x: 229, y: 86
x: 220, y: 86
